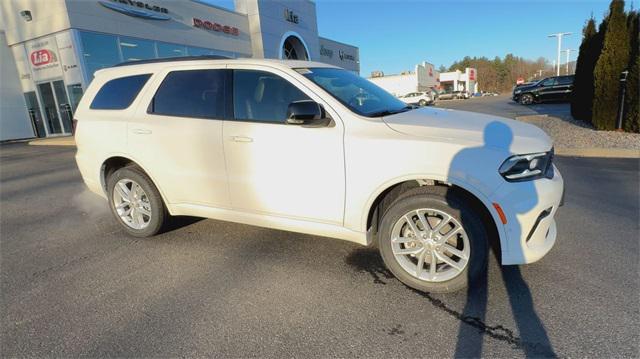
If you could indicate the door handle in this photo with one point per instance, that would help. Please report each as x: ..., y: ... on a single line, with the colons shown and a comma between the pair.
x: 242, y: 139
x: 141, y: 131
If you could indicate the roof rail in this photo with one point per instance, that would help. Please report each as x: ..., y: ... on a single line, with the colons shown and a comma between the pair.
x: 171, y: 59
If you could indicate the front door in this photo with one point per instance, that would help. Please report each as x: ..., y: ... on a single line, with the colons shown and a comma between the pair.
x: 55, y: 107
x: 280, y: 169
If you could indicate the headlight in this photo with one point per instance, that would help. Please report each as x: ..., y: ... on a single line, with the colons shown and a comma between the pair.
x: 528, y: 167
x: 517, y: 91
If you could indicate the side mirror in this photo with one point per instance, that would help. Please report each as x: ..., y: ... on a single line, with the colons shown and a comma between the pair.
x: 307, y: 113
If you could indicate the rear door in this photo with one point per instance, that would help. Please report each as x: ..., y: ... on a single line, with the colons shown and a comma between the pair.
x: 176, y: 134
x: 564, y: 87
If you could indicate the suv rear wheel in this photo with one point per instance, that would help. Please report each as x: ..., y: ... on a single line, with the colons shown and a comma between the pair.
x: 136, y: 202
x: 432, y: 240
x: 422, y: 103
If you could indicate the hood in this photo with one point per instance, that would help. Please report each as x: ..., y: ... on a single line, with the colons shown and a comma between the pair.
x: 471, y: 128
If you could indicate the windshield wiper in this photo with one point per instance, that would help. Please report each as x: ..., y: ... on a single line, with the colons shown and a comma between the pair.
x: 391, y: 112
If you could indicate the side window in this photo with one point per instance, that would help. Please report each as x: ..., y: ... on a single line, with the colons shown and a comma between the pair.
x: 192, y: 93
x: 549, y: 82
x: 262, y: 96
x: 118, y: 94
x: 565, y: 80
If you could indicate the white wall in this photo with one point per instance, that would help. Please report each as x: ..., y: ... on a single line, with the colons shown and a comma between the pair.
x: 14, y: 121
x: 398, y: 85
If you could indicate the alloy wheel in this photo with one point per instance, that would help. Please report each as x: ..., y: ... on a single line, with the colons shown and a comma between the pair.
x: 430, y: 244
x: 132, y: 204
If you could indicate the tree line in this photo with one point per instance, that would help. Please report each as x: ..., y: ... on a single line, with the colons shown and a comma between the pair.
x: 501, y: 74
x: 604, y: 53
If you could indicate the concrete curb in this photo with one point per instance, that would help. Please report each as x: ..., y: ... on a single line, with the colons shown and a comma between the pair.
x: 598, y: 152
x: 54, y: 141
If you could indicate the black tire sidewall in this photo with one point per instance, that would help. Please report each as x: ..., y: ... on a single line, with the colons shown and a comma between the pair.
x: 452, y: 205
x: 158, y: 211
x: 529, y: 96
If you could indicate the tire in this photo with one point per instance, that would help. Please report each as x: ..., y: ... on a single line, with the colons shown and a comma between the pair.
x: 526, y: 99
x: 422, y: 103
x: 439, y: 201
x: 150, y: 201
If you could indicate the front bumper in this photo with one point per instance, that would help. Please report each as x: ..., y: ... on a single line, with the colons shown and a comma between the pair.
x: 529, y: 208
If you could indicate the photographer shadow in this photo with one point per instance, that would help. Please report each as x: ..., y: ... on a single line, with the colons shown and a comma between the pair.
x: 533, y: 338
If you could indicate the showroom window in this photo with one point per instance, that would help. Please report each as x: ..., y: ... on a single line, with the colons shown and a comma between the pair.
x: 118, y: 94
x: 136, y: 49
x: 192, y: 93
x: 99, y: 51
x: 262, y: 96
x: 170, y: 50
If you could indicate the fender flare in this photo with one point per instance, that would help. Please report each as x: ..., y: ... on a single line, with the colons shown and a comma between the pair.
x: 484, y: 199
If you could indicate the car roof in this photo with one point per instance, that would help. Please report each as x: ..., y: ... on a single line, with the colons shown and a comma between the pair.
x: 153, y: 65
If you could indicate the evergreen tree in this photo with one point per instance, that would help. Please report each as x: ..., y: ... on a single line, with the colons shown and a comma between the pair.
x: 582, y: 96
x: 612, y: 61
x: 632, y: 96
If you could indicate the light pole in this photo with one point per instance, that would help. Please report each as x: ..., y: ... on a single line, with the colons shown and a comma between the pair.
x: 559, y: 35
x: 568, y: 51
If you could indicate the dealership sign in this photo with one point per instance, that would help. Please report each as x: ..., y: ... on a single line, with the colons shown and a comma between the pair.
x: 214, y: 26
x: 472, y: 74
x: 290, y: 16
x: 42, y: 57
x: 137, y: 9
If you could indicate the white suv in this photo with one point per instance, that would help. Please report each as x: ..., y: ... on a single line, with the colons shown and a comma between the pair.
x: 418, y: 98
x: 312, y: 148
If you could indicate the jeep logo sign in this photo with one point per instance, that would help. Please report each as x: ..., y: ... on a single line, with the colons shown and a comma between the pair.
x: 42, y: 57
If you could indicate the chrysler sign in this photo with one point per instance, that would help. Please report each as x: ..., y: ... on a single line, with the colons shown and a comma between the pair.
x: 137, y: 9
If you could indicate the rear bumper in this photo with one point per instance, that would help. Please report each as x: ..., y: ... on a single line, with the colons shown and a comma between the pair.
x: 530, y: 208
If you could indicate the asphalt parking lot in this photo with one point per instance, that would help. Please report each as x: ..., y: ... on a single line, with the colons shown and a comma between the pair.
x: 73, y: 284
x: 502, y: 105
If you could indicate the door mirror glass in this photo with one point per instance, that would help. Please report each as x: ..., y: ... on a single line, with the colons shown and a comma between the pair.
x: 306, y: 113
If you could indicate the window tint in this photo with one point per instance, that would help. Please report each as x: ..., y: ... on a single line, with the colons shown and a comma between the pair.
x: 262, y: 96
x: 192, y: 93
x: 564, y: 80
x: 549, y: 82
x: 118, y: 94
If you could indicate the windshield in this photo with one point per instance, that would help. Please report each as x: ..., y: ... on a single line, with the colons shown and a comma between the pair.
x: 359, y: 95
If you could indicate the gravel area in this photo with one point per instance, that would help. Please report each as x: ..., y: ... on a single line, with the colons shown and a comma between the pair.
x: 569, y: 133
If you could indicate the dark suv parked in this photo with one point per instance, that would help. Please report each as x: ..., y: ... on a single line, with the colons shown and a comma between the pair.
x: 557, y: 88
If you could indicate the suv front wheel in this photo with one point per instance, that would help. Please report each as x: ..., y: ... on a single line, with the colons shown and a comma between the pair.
x: 136, y: 202
x: 432, y: 240
x: 526, y: 99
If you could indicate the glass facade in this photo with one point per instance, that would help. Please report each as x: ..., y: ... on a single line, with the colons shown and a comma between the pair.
x: 104, y: 50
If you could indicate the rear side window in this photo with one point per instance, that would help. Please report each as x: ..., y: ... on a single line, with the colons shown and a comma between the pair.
x: 193, y: 93
x: 118, y: 94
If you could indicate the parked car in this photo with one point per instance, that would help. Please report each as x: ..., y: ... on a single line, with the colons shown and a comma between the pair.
x: 418, y: 98
x: 556, y: 88
x: 461, y: 95
x: 312, y: 148
x: 447, y: 95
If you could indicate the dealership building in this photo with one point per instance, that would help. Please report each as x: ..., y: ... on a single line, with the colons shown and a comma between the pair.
x: 50, y: 49
x: 425, y: 77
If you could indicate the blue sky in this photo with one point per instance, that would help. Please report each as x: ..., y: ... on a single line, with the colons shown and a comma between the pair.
x: 395, y: 35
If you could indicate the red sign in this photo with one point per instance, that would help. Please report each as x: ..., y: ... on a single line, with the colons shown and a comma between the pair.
x: 42, y: 57
x: 214, y: 26
x: 430, y: 71
x: 519, y: 81
x: 472, y: 75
